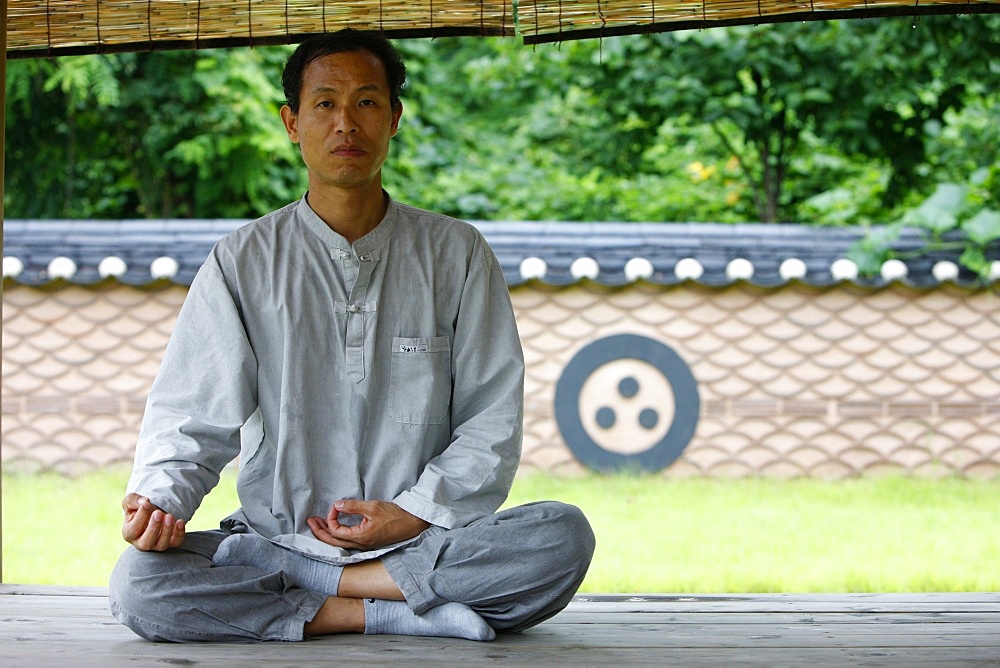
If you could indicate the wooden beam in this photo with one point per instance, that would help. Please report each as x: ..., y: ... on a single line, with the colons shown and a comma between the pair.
x: 233, y: 42
x: 3, y: 148
x: 793, y: 17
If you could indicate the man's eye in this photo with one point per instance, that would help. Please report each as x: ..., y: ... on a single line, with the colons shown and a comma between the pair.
x: 325, y: 103
x: 366, y: 103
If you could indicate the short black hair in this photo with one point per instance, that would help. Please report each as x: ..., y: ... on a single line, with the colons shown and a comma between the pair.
x: 343, y: 41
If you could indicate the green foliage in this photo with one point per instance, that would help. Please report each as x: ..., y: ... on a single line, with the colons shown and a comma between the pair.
x: 845, y: 122
x: 779, y: 96
x: 784, y: 122
x: 962, y: 216
x: 172, y: 134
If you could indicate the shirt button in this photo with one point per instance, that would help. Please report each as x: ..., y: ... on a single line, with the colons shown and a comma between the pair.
x: 353, y: 308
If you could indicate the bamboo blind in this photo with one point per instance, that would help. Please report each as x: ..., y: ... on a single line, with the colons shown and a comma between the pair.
x: 62, y: 27
x: 556, y: 20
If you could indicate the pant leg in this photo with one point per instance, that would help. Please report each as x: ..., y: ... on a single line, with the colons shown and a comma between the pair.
x: 180, y: 596
x: 516, y: 568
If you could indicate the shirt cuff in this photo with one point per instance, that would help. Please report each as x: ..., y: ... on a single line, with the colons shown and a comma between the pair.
x: 436, y: 514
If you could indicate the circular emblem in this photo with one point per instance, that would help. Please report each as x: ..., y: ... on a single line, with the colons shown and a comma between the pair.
x: 627, y: 402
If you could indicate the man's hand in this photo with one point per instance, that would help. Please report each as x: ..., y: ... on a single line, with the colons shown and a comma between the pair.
x: 147, y: 527
x: 383, y: 523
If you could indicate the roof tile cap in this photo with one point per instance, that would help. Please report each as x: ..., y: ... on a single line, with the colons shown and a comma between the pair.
x: 740, y: 269
x: 844, y: 270
x: 533, y: 268
x: 638, y: 268
x: 945, y: 270
x: 112, y: 266
x: 12, y: 267
x: 792, y: 268
x: 164, y: 267
x: 689, y: 269
x: 61, y: 267
x: 584, y: 267
x: 894, y: 270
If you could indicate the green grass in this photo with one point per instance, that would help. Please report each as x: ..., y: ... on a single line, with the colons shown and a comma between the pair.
x: 873, y: 535
x: 654, y: 535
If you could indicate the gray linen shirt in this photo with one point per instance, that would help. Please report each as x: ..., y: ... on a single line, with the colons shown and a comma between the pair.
x: 389, y: 369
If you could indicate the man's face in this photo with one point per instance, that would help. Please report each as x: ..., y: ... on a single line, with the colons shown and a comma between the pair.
x: 345, y: 120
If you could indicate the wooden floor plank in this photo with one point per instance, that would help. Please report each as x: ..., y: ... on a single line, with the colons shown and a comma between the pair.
x: 992, y: 598
x: 418, y: 651
x: 744, y: 619
x: 988, y: 597
x: 597, y: 630
x: 813, y: 603
x: 770, y: 618
x: 72, y: 626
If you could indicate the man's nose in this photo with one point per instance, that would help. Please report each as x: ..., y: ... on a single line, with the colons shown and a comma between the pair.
x: 345, y: 122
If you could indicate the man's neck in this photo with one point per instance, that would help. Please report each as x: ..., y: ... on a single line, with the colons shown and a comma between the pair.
x: 350, y: 212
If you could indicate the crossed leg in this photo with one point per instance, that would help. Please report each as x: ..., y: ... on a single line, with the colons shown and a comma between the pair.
x: 508, y: 571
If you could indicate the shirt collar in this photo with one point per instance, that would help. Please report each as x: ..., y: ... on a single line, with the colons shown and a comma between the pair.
x: 366, y: 244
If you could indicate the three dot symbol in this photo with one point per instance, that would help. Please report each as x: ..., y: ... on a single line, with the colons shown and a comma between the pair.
x: 627, y: 402
x: 628, y: 388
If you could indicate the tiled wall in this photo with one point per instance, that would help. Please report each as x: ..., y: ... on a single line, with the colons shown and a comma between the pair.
x: 792, y: 381
x: 77, y: 365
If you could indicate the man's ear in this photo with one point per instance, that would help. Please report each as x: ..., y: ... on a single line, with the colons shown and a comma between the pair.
x: 396, y: 113
x: 291, y: 121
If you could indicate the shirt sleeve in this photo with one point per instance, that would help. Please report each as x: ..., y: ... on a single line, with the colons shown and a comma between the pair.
x: 473, y: 475
x: 204, y: 391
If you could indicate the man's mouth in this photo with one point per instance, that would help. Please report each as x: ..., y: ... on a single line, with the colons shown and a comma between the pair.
x: 348, y: 151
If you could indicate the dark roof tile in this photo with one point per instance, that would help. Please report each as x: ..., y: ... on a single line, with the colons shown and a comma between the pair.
x: 139, y: 242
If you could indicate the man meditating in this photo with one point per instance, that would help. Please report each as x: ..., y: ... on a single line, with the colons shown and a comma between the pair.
x: 361, y: 357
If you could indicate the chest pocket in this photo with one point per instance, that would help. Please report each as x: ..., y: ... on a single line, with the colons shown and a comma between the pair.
x: 420, y: 380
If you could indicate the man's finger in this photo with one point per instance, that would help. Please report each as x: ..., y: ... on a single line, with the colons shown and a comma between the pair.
x: 131, y: 502
x: 321, y: 530
x: 166, y: 537
x: 151, y: 535
x: 354, y: 507
x: 138, y: 511
x: 177, y: 535
x: 134, y: 504
x: 159, y: 533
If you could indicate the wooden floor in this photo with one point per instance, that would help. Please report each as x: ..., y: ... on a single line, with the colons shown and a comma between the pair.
x: 63, y: 626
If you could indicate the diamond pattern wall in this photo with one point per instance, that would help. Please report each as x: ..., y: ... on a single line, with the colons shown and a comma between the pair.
x: 794, y: 381
x: 77, y: 365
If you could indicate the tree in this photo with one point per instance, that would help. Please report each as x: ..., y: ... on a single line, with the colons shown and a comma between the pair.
x: 870, y: 88
x: 847, y: 122
x: 148, y: 134
x: 492, y: 129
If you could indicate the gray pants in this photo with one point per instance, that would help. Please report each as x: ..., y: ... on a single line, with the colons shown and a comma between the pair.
x: 516, y: 569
